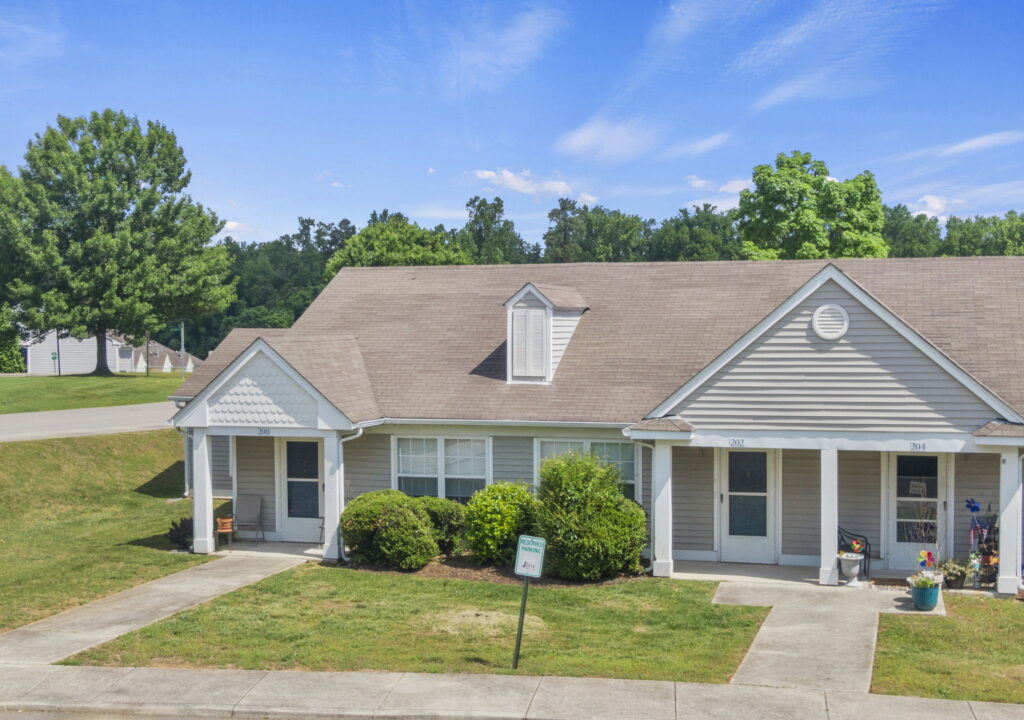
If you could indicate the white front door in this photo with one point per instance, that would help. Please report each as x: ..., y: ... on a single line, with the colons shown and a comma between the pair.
x: 917, y: 488
x: 301, y: 495
x: 747, y: 499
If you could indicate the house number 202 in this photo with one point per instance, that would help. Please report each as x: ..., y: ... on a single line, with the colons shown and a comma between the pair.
x: 917, y: 447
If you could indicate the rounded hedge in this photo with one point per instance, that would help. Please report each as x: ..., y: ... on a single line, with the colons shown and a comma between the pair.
x: 388, y: 528
x: 592, y: 530
x: 495, y: 518
x: 448, y: 520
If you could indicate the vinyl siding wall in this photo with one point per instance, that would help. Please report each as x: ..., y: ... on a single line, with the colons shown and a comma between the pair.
x: 976, y: 475
x: 860, y: 496
x: 801, y: 502
x: 367, y: 465
x: 220, y: 465
x: 872, y: 379
x: 255, y: 465
x: 513, y: 458
x: 693, y: 498
x: 77, y: 357
x: 563, y: 325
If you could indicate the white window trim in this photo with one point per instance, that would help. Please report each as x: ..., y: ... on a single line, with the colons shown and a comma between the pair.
x: 587, y: 442
x: 549, y: 312
x: 440, y: 440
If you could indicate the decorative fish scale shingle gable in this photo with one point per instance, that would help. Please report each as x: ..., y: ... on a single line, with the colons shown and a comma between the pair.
x: 262, y: 394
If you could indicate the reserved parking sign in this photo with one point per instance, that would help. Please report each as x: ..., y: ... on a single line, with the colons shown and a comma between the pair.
x: 530, y: 556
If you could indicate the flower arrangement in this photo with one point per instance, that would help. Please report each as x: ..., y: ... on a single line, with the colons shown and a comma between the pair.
x: 857, y: 546
x: 923, y: 580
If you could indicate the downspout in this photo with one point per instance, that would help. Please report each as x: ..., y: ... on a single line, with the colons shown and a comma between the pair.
x: 650, y: 532
x: 341, y: 540
x: 186, y: 433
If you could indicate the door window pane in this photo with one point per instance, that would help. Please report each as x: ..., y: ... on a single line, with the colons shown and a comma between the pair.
x: 748, y: 472
x: 917, y: 476
x: 303, y: 499
x: 910, y: 510
x: 748, y: 515
x: 465, y: 458
x: 417, y: 486
x: 918, y: 533
x: 303, y: 460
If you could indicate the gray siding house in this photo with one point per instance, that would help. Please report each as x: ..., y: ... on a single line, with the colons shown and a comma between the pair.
x: 752, y: 408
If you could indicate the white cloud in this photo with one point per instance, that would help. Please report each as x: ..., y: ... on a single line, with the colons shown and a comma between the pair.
x: 931, y: 205
x: 970, y: 145
x: 524, y: 182
x: 22, y: 44
x: 839, y: 39
x: 322, y: 175
x: 698, y: 147
x: 587, y: 199
x: 609, y: 141
x: 734, y: 186
x: 946, y: 200
x: 484, y: 57
x: 431, y: 171
x: 335, y: 183
x: 695, y: 181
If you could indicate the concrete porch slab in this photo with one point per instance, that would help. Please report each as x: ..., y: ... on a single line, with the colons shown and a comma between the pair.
x: 250, y: 548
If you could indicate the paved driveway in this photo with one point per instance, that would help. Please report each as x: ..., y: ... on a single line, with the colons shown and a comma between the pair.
x: 85, y: 421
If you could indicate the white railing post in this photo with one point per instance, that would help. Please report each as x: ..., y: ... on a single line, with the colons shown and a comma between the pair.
x: 202, y: 494
x: 828, y: 573
x: 661, y: 509
x: 1010, y: 502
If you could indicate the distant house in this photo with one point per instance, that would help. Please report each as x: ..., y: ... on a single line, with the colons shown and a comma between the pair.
x: 752, y: 408
x: 160, y: 358
x: 77, y: 357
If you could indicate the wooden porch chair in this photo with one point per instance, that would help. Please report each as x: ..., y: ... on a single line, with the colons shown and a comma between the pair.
x: 249, y: 514
x: 846, y: 538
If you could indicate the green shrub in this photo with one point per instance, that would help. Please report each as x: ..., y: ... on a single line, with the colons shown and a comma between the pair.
x: 495, y: 518
x: 448, y: 520
x: 388, y: 528
x: 592, y: 530
x: 11, y: 359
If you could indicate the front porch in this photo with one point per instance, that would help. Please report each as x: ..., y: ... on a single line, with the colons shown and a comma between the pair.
x: 773, y: 513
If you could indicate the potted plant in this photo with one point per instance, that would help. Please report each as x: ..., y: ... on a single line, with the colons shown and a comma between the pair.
x: 954, y: 572
x: 924, y: 591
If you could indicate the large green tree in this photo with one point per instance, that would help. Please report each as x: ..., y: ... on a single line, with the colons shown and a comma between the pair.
x: 703, y: 234
x: 391, y: 239
x: 579, y: 233
x: 910, y: 235
x: 108, y: 238
x: 980, y: 235
x: 491, y: 238
x: 797, y: 210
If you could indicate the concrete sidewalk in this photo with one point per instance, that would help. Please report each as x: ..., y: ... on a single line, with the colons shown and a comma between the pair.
x: 72, y: 631
x: 85, y: 421
x: 255, y: 693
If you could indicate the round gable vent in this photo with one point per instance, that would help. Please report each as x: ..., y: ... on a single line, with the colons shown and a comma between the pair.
x: 830, y: 322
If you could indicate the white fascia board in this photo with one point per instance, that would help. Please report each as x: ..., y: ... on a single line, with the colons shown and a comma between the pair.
x: 809, y: 440
x: 507, y: 423
x: 529, y: 288
x: 831, y: 272
x: 1000, y: 441
x: 328, y: 415
x: 657, y: 434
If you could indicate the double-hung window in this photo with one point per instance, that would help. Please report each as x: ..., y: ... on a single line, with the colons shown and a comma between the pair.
x: 452, y: 468
x: 620, y: 454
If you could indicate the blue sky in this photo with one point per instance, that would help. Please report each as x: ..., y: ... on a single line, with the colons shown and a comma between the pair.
x: 332, y: 109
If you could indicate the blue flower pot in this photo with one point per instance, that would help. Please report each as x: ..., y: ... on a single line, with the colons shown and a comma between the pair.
x: 925, y: 598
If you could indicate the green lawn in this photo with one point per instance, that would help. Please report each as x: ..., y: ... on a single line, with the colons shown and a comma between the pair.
x: 83, y: 517
x: 976, y: 652
x: 322, y: 618
x: 28, y: 393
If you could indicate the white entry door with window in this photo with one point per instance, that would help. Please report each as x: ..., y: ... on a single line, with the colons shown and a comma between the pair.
x: 746, y: 500
x: 302, y: 491
x: 917, y: 490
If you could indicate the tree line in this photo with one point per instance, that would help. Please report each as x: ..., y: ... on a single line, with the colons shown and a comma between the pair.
x: 98, y: 233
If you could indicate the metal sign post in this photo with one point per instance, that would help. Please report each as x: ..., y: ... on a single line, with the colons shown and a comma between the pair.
x: 529, y: 564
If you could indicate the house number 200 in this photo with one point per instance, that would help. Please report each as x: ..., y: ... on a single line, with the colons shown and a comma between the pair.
x: 262, y: 431
x: 917, y: 447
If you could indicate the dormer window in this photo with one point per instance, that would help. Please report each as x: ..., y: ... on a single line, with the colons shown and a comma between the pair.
x: 541, y: 320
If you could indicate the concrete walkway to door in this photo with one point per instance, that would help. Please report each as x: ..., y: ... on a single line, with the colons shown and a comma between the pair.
x: 70, y: 632
x: 820, y: 638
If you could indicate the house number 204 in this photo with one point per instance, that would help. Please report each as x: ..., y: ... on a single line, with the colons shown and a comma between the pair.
x: 917, y: 447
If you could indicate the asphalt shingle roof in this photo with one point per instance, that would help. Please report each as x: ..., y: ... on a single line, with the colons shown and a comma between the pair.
x: 432, y: 339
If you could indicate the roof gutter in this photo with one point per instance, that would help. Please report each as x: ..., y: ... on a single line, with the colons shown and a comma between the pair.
x: 507, y: 423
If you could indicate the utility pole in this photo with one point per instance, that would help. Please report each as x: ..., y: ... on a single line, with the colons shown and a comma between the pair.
x: 181, y: 351
x: 147, y: 353
x: 56, y: 334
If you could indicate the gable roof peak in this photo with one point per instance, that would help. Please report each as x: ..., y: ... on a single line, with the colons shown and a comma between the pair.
x: 559, y: 297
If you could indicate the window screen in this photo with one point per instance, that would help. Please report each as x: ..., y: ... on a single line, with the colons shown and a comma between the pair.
x: 465, y: 468
x: 622, y: 456
x: 417, y: 466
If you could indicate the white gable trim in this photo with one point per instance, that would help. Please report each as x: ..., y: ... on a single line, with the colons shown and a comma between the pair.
x: 329, y: 417
x: 831, y: 272
x: 528, y: 289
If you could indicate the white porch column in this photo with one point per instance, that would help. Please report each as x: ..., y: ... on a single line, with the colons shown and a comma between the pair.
x: 202, y: 494
x: 1009, y: 522
x: 334, y: 493
x: 661, y: 509
x: 828, y: 573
